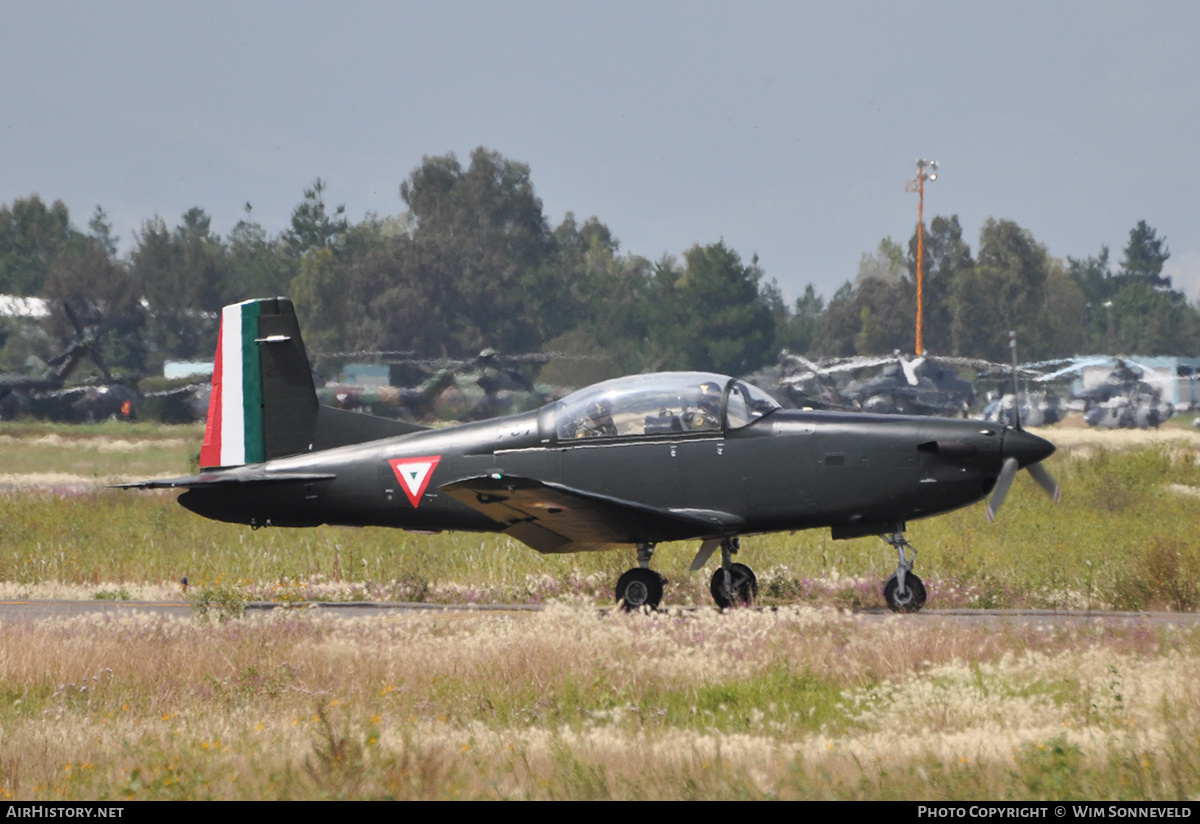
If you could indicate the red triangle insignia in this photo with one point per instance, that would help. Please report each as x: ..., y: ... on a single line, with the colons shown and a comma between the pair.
x: 414, y: 474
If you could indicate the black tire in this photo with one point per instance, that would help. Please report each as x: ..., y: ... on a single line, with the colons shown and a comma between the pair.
x: 911, y: 601
x: 639, y: 588
x: 743, y: 583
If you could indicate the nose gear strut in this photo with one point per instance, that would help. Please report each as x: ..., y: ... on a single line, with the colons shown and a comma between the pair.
x: 903, y: 591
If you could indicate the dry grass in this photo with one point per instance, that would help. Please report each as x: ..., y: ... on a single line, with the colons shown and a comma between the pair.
x: 798, y: 703
x: 569, y: 703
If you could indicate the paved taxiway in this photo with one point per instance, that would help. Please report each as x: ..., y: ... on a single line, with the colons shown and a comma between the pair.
x: 32, y: 610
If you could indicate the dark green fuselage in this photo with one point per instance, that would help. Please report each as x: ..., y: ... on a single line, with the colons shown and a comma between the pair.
x: 858, y: 474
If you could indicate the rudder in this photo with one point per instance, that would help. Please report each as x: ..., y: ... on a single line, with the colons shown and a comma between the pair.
x: 263, y: 403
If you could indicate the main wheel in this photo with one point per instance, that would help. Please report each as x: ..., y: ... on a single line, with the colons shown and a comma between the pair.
x: 639, y: 588
x: 743, y: 586
x: 911, y: 601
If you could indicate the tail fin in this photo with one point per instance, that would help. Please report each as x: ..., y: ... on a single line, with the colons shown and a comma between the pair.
x: 263, y: 403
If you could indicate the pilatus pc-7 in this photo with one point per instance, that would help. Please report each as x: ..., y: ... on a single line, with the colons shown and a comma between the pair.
x: 630, y: 462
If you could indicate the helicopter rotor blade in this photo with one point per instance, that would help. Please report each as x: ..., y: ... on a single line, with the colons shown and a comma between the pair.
x: 73, y: 318
x: 910, y: 369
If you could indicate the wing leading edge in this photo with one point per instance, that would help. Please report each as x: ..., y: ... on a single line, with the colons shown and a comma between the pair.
x: 554, y: 518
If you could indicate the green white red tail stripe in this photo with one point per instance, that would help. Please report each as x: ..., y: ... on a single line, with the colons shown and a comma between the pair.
x: 233, y: 434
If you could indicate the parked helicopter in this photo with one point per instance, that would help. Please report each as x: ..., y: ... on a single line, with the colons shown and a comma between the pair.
x: 921, y: 386
x: 633, y: 461
x: 1112, y: 392
x: 486, y: 386
x: 43, y: 396
x: 1032, y: 408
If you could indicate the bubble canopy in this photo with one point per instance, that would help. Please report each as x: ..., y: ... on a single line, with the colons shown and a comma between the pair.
x: 664, y: 403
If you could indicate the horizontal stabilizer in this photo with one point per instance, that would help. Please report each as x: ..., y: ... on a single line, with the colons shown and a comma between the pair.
x: 217, y: 478
x: 551, y: 517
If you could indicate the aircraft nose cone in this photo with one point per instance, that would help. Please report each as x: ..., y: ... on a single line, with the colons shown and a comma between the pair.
x: 1026, y: 448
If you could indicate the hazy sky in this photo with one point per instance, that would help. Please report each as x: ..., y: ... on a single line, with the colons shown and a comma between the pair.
x: 788, y: 129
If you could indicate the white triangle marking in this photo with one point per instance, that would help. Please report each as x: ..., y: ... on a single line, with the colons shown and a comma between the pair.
x: 413, y: 476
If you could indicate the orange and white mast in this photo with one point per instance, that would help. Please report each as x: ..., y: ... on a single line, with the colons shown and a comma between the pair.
x: 917, y: 185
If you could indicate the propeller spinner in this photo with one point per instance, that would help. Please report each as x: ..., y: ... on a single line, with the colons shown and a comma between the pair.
x: 1021, y: 450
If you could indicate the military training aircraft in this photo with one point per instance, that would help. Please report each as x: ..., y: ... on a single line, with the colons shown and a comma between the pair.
x: 633, y: 461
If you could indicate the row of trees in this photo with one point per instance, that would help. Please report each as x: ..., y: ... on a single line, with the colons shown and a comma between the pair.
x: 473, y: 262
x: 1058, y: 308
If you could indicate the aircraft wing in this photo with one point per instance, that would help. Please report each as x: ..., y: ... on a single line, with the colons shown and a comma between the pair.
x: 551, y: 517
x: 215, y: 478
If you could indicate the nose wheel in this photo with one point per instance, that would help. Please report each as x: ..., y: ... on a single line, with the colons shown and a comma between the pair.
x: 910, y: 600
x: 903, y: 591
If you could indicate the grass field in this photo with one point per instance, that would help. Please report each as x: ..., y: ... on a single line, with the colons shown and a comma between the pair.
x: 98, y: 453
x: 570, y: 703
x: 807, y: 701
x: 1122, y: 537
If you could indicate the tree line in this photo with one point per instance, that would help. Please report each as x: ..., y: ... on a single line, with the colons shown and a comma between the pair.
x: 473, y: 262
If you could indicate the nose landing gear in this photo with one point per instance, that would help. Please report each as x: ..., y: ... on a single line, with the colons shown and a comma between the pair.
x: 903, y: 591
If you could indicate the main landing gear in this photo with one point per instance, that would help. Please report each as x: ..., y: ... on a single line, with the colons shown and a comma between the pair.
x: 903, y: 591
x: 733, y: 584
x: 640, y: 586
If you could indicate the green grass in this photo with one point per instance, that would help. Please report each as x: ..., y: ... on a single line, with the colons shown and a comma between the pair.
x: 1119, y: 538
x: 102, y: 450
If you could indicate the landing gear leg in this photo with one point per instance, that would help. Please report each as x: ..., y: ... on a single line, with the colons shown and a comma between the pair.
x: 641, y: 586
x: 903, y: 591
x: 733, y: 583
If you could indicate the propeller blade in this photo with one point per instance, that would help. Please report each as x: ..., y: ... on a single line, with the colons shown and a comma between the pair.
x: 1045, y: 480
x: 1007, y: 473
